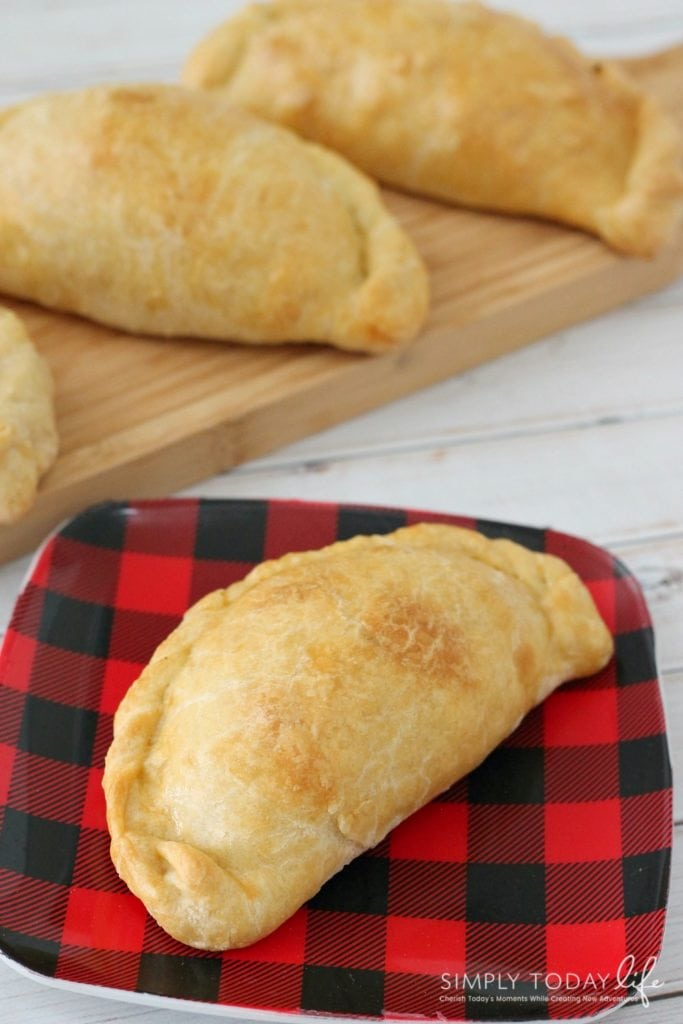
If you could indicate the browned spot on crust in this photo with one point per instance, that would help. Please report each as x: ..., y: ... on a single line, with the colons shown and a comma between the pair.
x: 298, y: 760
x: 420, y: 637
x: 132, y: 96
x: 525, y: 662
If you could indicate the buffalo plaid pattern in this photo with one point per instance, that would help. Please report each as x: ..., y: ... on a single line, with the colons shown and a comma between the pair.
x: 544, y: 873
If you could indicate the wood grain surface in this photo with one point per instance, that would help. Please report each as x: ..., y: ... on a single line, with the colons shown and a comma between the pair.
x: 143, y: 416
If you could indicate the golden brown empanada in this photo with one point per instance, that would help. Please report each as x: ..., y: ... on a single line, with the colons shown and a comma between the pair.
x: 28, y: 432
x: 161, y: 210
x: 293, y: 719
x: 458, y: 102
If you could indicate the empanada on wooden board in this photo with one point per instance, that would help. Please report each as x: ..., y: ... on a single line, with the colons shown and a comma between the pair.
x: 28, y: 433
x: 141, y: 416
x: 459, y: 102
x: 293, y: 719
x: 164, y: 211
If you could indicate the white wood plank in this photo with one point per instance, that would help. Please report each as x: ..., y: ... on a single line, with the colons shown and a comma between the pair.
x: 610, y: 26
x: 658, y: 566
x: 585, y: 376
x: 669, y: 969
x: 661, y: 1011
x: 608, y: 15
x: 610, y: 483
x: 71, y: 44
x: 11, y: 579
x: 672, y: 689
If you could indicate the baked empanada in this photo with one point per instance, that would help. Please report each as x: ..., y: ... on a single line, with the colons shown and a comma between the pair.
x: 458, y: 102
x: 161, y: 210
x: 293, y: 719
x: 28, y: 432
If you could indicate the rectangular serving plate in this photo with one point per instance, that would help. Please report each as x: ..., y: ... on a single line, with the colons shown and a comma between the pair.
x: 550, y: 861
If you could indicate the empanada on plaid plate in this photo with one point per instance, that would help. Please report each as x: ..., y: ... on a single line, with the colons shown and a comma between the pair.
x: 292, y: 720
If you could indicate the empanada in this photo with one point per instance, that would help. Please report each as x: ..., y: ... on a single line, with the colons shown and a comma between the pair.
x: 293, y: 719
x: 28, y: 432
x: 161, y: 210
x: 461, y: 103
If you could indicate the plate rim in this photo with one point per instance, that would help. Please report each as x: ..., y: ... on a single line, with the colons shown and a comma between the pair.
x: 234, y: 1012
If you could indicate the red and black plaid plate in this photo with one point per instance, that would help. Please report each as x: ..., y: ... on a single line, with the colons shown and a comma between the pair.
x: 535, y: 888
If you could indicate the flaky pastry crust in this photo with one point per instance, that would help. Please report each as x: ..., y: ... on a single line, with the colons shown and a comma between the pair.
x: 160, y: 210
x: 28, y: 432
x: 458, y: 102
x: 293, y: 719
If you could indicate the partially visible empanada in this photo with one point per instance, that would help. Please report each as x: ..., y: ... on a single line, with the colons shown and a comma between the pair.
x: 458, y: 102
x: 28, y: 432
x: 293, y: 719
x: 161, y: 210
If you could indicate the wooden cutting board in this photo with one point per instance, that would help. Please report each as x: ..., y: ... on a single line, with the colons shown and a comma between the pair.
x: 141, y: 417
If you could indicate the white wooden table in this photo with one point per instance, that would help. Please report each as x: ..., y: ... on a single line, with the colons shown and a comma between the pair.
x: 582, y: 431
